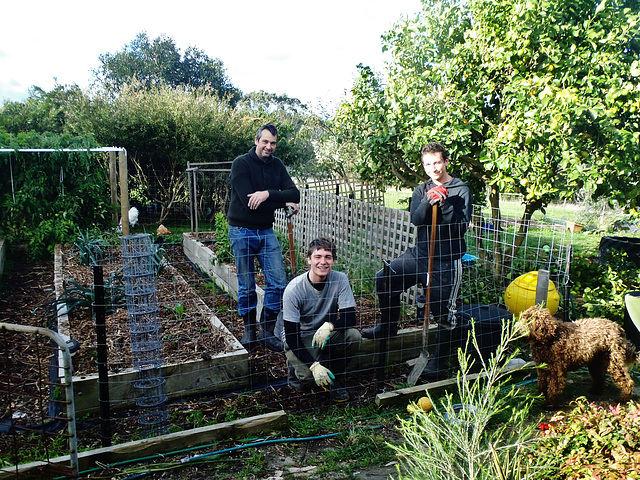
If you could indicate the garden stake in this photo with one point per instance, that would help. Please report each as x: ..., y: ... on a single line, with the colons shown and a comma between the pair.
x: 423, y: 359
x: 382, y: 352
x: 292, y: 252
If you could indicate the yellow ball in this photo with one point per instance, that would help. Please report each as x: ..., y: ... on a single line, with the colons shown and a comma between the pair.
x: 423, y: 404
x: 521, y: 294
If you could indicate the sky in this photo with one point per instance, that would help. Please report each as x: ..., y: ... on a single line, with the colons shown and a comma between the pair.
x: 304, y: 49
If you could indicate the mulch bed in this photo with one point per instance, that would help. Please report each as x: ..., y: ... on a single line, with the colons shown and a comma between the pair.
x: 28, y: 287
x: 186, y: 334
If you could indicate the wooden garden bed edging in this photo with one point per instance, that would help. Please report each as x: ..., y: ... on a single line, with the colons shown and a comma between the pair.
x: 223, y: 275
x: 163, y: 444
x: 405, y: 395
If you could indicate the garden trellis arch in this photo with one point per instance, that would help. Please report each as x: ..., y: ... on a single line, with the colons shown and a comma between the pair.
x: 115, y: 170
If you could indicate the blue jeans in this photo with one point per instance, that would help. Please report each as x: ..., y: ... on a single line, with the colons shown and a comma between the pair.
x: 247, y: 245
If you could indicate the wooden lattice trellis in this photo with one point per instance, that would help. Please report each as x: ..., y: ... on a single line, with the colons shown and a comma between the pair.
x: 359, y: 229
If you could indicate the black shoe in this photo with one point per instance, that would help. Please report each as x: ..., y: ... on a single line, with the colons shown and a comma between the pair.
x: 378, y: 332
x: 338, y: 394
x: 433, y: 375
x: 249, y: 339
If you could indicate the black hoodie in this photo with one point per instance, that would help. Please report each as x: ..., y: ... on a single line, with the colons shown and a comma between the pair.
x: 452, y: 221
x: 250, y: 174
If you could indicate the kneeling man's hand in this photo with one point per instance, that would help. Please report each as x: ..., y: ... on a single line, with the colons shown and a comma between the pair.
x: 322, y: 375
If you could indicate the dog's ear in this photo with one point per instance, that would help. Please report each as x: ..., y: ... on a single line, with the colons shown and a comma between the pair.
x: 543, y: 326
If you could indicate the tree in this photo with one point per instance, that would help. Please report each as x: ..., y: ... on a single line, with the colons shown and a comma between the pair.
x: 160, y: 62
x: 55, y: 112
x: 539, y: 97
x: 163, y: 128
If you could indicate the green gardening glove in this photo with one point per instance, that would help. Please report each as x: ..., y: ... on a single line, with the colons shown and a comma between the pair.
x: 322, y: 375
x: 322, y: 335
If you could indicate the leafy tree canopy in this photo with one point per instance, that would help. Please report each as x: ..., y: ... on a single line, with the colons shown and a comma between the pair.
x: 539, y: 97
x: 159, y: 61
x: 53, y: 112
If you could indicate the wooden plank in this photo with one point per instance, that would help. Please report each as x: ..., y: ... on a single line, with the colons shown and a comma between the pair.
x: 164, y: 444
x: 405, y: 395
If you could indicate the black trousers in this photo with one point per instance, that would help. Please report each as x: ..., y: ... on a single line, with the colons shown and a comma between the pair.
x: 408, y: 270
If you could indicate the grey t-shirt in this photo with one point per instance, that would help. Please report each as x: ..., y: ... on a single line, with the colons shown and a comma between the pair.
x: 310, y: 307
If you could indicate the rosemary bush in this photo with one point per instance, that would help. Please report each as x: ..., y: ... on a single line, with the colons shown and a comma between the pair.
x: 487, y: 439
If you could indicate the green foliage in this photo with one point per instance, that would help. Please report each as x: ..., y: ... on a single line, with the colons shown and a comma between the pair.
x: 255, y: 466
x: 179, y: 310
x: 35, y: 446
x: 48, y: 196
x: 90, y: 246
x: 366, y: 445
x: 223, y: 252
x: 592, y: 441
x: 55, y: 112
x: 157, y: 257
x: 603, y: 287
x: 479, y: 440
x: 77, y: 296
x: 196, y: 418
x: 537, y: 97
x: 160, y: 62
x: 42, y: 239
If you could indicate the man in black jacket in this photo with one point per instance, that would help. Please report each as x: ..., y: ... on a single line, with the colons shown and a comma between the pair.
x: 260, y: 185
x: 453, y: 198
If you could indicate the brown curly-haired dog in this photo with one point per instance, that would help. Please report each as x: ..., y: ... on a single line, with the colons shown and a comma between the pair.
x: 596, y: 343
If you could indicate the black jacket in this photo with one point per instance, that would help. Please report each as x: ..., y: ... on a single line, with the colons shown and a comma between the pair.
x: 452, y: 221
x: 250, y: 174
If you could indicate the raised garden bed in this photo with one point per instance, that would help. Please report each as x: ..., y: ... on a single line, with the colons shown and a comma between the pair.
x: 200, y: 353
x: 405, y: 346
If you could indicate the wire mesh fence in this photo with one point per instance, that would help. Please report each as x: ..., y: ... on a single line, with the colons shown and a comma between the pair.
x: 37, y: 402
x: 202, y: 370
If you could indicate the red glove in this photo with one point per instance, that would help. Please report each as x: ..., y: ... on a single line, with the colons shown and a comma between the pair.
x: 437, y: 194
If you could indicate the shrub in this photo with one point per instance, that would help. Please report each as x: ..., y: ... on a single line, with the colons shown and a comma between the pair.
x: 593, y: 441
x: 603, y: 287
x: 223, y: 252
x: 485, y: 440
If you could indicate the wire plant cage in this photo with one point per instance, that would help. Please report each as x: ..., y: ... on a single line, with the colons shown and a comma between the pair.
x: 139, y: 274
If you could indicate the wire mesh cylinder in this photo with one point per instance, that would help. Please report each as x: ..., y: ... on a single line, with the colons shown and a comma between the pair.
x: 137, y: 255
x: 138, y: 260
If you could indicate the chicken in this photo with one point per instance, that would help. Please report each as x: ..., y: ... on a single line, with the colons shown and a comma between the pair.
x: 133, y: 219
x: 162, y: 230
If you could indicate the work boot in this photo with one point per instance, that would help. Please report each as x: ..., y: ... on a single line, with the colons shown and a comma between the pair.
x: 337, y: 393
x: 249, y: 339
x: 266, y: 334
x: 389, y: 316
x: 437, y: 368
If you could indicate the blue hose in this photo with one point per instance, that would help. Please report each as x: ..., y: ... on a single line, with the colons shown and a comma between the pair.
x: 251, y: 445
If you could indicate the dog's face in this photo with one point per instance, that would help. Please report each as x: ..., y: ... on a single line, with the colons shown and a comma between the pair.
x: 537, y: 325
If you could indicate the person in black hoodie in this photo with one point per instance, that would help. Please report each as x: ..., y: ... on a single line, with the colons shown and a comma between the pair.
x: 260, y: 184
x: 453, y: 198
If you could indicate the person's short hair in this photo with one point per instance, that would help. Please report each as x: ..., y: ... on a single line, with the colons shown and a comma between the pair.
x: 322, y: 243
x: 435, y: 147
x: 272, y: 130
